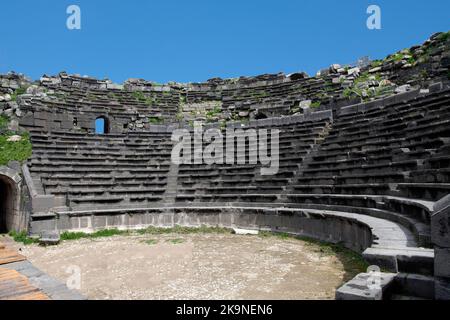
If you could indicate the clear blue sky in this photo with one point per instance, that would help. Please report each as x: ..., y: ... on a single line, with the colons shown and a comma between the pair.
x: 194, y: 40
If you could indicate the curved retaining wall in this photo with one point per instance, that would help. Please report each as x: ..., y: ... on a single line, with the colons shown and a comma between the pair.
x: 331, y: 227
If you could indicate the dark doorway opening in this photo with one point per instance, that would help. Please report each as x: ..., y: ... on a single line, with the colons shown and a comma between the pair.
x: 101, y: 125
x: 260, y: 116
x: 6, y: 204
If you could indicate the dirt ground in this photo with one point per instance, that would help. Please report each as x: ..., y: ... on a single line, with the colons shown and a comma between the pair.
x: 191, y: 266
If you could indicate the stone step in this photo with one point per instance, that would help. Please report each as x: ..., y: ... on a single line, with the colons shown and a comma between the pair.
x: 413, y: 286
x: 407, y: 260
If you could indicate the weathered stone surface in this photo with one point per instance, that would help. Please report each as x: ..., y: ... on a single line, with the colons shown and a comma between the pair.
x: 440, y: 228
x: 49, y: 238
x: 14, y: 138
x: 442, y: 288
x: 360, y: 287
x: 442, y: 262
x: 403, y: 88
x: 245, y: 231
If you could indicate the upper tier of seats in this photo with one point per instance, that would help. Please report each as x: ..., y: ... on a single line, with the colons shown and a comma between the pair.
x: 137, y: 104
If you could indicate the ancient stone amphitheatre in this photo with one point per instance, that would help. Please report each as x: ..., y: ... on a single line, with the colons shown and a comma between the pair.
x: 363, y: 169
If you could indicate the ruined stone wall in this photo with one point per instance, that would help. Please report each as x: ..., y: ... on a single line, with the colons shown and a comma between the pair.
x: 440, y: 233
x: 73, y: 102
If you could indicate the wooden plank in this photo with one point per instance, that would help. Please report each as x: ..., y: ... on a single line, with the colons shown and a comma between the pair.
x: 10, y: 256
x: 31, y: 296
x: 15, y: 286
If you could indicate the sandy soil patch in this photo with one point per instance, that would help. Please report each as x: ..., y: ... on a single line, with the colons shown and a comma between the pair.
x: 192, y: 266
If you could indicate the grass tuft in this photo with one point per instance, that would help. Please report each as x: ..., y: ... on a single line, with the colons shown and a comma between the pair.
x: 22, y: 237
x: 4, y: 120
x: 150, y: 230
x: 18, y: 92
x: 150, y: 242
x: 98, y: 234
x: 176, y: 241
x: 156, y: 120
x: 183, y: 230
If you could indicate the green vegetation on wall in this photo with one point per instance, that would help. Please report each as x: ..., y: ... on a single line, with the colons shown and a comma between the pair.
x: 212, y: 115
x: 141, y: 97
x: 18, y: 92
x: 13, y: 150
x: 156, y: 120
x: 364, y: 89
x: 3, y: 123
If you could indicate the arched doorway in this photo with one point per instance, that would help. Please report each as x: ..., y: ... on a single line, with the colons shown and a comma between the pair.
x: 101, y: 125
x: 8, y: 195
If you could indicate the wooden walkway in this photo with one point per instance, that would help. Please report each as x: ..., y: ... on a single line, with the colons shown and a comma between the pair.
x: 9, y: 256
x: 13, y: 285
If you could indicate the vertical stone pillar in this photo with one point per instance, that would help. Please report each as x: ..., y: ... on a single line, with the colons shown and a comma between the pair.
x: 440, y: 236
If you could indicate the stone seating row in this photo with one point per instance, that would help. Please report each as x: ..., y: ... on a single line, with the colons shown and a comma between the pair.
x: 101, y: 170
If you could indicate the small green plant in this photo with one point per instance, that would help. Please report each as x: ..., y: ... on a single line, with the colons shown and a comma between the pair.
x: 176, y: 241
x: 98, y: 234
x: 91, y: 97
x: 73, y: 235
x: 183, y: 230
x: 396, y: 57
x: 180, y: 116
x: 444, y: 36
x: 295, y: 110
x: 411, y: 60
x: 376, y: 63
x: 139, y: 95
x: 347, y: 92
x: 211, y: 114
x: 280, y: 235
x: 150, y: 242
x: 22, y: 237
x: 260, y: 94
x: 316, y: 104
x: 4, y: 120
x: 222, y: 125
x: 18, y: 92
x: 156, y: 120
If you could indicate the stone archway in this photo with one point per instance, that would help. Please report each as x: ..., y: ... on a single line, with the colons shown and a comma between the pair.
x: 10, y: 218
